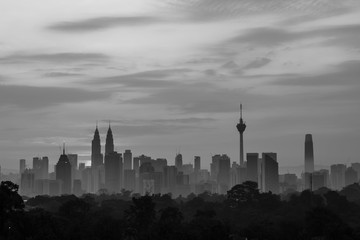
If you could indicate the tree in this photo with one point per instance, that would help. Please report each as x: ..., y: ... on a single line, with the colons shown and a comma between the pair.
x: 10, y: 200
x: 10, y: 204
x: 246, y: 192
x: 142, y: 213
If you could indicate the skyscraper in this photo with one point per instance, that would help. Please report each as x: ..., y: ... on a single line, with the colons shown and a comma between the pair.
x: 252, y: 167
x: 96, y: 156
x: 127, y: 160
x: 63, y: 173
x: 22, y: 165
x: 337, y: 176
x: 269, y: 173
x: 109, y: 145
x: 309, y: 154
x: 197, y: 163
x: 241, y: 126
x: 113, y: 165
x: 223, y: 178
x: 178, y: 162
x: 351, y: 176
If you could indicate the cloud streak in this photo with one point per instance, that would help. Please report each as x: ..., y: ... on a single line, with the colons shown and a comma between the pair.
x: 55, y: 58
x: 28, y: 97
x: 101, y: 23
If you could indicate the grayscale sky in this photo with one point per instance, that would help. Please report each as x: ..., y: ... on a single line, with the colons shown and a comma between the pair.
x: 170, y: 75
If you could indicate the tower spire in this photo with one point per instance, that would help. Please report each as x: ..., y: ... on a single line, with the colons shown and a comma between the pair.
x: 241, y: 126
x: 240, y: 111
x: 64, y: 148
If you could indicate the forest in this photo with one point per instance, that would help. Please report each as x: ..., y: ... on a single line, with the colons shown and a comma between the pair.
x: 243, y: 213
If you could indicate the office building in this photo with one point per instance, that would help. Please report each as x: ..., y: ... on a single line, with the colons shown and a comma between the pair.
x: 223, y: 178
x: 351, y: 176
x: 309, y: 154
x: 63, y: 173
x: 96, y: 156
x: 252, y: 167
x: 179, y: 162
x: 127, y: 160
x: 22, y: 166
x: 269, y: 173
x: 337, y: 176
x: 27, y: 182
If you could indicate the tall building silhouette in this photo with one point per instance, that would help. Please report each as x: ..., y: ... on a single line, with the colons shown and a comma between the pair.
x: 252, y: 167
x: 179, y: 162
x: 109, y: 144
x: 309, y: 154
x: 113, y: 165
x: 127, y: 160
x: 337, y: 176
x: 223, y: 177
x: 351, y: 176
x: 241, y: 126
x: 63, y: 173
x: 96, y: 156
x: 269, y: 173
x: 22, y: 165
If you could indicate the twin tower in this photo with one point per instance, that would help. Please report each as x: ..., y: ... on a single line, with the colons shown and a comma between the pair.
x: 96, y: 155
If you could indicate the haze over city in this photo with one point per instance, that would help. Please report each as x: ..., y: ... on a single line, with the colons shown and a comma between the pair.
x: 170, y: 75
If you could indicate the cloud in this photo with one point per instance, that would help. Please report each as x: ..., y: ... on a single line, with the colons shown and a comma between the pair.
x: 134, y: 128
x: 258, y: 63
x: 344, y: 74
x: 206, y: 10
x: 163, y: 121
x: 62, y: 74
x: 29, y: 97
x: 195, y: 98
x: 101, y: 23
x: 55, y: 58
x: 145, y: 79
x: 270, y: 37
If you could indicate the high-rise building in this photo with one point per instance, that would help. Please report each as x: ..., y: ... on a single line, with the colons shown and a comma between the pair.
x: 96, y: 156
x: 179, y: 162
x: 127, y: 160
x: 136, y: 164
x: 356, y: 167
x: 309, y: 154
x: 214, y: 167
x: 241, y: 126
x: 170, y: 174
x: 223, y: 178
x: 109, y: 144
x: 351, y: 176
x: 37, y: 167
x: 129, y: 179
x: 22, y: 166
x: 318, y: 180
x: 44, y: 168
x: 269, y: 173
x: 63, y: 173
x: 197, y: 163
x: 41, y: 167
x: 337, y: 176
x: 252, y: 167
x: 27, y: 182
x: 113, y: 172
x: 77, y: 191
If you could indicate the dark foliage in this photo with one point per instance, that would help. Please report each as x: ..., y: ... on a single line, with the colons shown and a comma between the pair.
x: 244, y: 213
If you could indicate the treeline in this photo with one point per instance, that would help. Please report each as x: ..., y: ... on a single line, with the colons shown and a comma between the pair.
x: 244, y: 213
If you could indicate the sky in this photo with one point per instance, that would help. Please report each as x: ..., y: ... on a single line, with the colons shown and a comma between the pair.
x: 170, y: 76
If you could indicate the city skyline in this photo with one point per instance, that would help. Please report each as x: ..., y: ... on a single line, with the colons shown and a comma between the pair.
x: 144, y: 66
